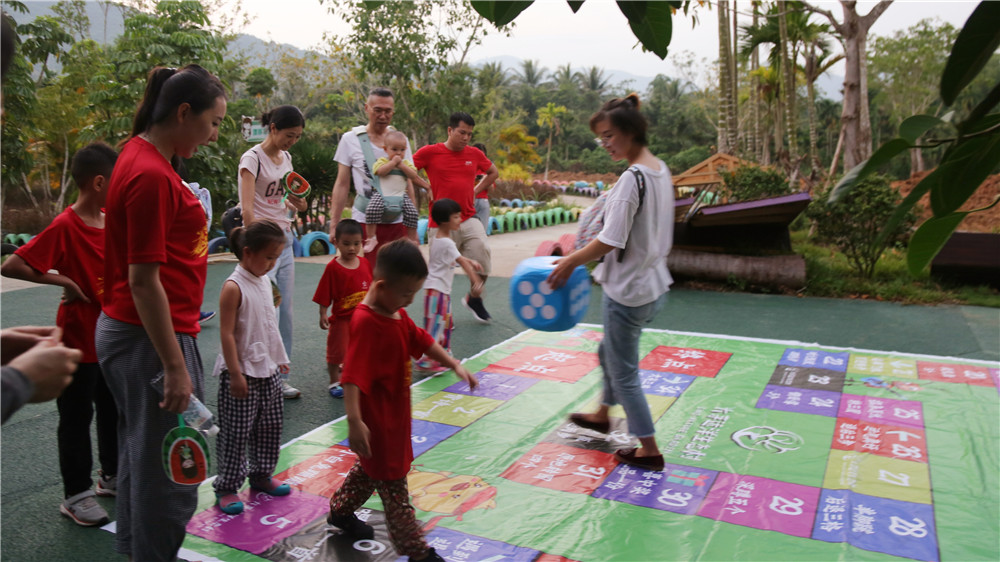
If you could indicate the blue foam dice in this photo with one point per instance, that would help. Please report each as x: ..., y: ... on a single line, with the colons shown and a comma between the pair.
x: 538, y: 306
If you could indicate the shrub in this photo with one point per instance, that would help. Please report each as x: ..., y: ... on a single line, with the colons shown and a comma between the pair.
x: 747, y: 183
x: 685, y: 159
x: 853, y: 223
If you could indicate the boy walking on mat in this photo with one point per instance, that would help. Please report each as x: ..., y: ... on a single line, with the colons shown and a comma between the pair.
x: 376, y: 379
x: 73, y: 245
x: 441, y: 271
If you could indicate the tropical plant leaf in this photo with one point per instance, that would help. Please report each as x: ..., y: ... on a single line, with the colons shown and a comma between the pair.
x: 651, y: 23
x: 975, y: 44
x: 966, y: 167
x: 929, y: 182
x: 500, y: 13
x: 886, y: 152
x: 914, y: 127
x: 928, y: 240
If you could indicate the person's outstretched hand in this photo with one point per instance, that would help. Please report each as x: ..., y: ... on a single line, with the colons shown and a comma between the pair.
x: 50, y: 366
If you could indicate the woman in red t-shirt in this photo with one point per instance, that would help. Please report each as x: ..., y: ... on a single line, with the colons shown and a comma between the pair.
x: 156, y: 246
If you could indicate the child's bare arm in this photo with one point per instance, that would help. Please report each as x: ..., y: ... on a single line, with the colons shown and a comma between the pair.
x: 324, y: 320
x: 229, y: 304
x: 414, y: 176
x: 384, y: 168
x: 472, y: 269
x: 358, y: 434
x: 16, y: 268
x: 439, y: 354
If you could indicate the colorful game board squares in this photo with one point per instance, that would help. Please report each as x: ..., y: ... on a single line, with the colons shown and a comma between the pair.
x: 425, y: 434
x: 882, y: 410
x: 664, y: 384
x: 572, y: 435
x: 808, y: 377
x: 677, y: 488
x: 831, y: 361
x: 762, y: 503
x: 319, y: 541
x: 558, y: 467
x: 453, y: 409
x: 877, y: 524
x: 882, y: 366
x: 321, y: 473
x: 458, y: 547
x: 950, y: 372
x: 875, y: 475
x: 687, y: 361
x: 800, y: 400
x: 494, y: 385
x: 548, y: 364
x: 906, y: 443
x: 265, y: 520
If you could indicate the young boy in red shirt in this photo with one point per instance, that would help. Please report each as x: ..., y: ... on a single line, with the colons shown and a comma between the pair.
x: 376, y: 379
x: 73, y: 245
x: 344, y: 283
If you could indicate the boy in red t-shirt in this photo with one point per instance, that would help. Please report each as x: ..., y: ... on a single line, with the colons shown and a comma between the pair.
x: 73, y: 245
x: 376, y: 379
x: 344, y: 283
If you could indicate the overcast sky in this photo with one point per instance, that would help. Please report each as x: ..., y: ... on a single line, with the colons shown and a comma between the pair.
x: 598, y: 34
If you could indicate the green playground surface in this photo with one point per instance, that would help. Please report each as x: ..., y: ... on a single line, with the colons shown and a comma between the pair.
x: 32, y: 528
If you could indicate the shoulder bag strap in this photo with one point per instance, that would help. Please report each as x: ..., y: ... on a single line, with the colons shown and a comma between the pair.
x: 366, y: 149
x: 640, y: 181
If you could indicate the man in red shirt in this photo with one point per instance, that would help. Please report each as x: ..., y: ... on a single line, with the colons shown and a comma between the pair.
x: 452, y: 167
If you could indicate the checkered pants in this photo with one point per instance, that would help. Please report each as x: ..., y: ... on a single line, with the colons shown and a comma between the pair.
x: 152, y: 510
x: 404, y: 531
x: 249, y: 430
x: 376, y: 209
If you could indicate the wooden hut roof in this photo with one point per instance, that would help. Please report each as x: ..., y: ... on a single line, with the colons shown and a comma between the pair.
x: 706, y: 171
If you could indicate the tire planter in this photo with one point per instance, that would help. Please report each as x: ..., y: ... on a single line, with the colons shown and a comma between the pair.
x: 218, y: 245
x: 422, y: 230
x: 494, y: 225
x: 316, y: 244
x: 548, y: 248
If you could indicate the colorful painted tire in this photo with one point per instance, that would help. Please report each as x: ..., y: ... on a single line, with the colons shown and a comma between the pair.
x: 567, y: 242
x: 10, y: 239
x: 422, y: 226
x: 505, y: 202
x: 23, y: 239
x: 218, y: 245
x: 549, y: 248
x: 516, y: 203
x: 494, y: 226
x: 512, y: 222
x: 316, y: 244
x: 7, y: 249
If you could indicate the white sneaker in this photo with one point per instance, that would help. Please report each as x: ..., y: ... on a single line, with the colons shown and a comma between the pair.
x: 84, y: 509
x: 106, y: 485
x: 289, y: 391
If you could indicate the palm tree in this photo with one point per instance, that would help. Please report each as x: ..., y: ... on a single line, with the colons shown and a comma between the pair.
x: 594, y: 81
x: 548, y: 116
x: 532, y: 74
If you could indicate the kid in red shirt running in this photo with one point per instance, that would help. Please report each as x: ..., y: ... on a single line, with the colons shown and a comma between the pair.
x: 343, y: 286
x: 376, y: 379
x: 73, y: 245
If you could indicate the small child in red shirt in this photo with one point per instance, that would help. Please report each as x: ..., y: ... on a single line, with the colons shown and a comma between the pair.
x: 376, y: 378
x: 342, y: 287
x: 73, y: 245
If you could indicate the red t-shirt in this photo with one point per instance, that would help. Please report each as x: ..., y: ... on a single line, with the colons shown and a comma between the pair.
x: 343, y: 288
x: 154, y: 218
x: 75, y: 250
x: 379, y: 362
x: 452, y: 174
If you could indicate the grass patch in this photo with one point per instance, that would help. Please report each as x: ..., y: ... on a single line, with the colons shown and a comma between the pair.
x: 829, y: 275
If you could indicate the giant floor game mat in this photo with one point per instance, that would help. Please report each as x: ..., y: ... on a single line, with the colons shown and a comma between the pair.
x: 775, y: 450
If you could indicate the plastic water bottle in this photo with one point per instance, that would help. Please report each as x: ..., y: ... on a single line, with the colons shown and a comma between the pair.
x: 197, y: 415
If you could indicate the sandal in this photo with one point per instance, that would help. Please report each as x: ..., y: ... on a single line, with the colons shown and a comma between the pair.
x: 628, y: 457
x: 271, y: 486
x: 229, y: 503
x: 580, y: 420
